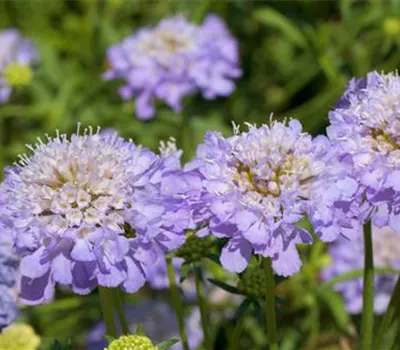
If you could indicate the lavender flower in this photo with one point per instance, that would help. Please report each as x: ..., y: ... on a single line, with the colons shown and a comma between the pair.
x: 159, y: 322
x: 8, y: 277
x: 90, y: 211
x: 349, y: 255
x: 258, y: 184
x: 16, y: 57
x: 365, y: 124
x: 174, y: 59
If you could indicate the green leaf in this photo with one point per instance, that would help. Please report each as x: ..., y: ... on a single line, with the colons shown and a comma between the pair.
x: 184, y: 272
x: 241, y: 310
x: 337, y: 307
x: 214, y: 258
x: 167, y: 344
x: 389, y: 329
x: 108, y: 338
x: 224, y: 286
x: 356, y: 274
x: 140, y: 330
x: 273, y: 18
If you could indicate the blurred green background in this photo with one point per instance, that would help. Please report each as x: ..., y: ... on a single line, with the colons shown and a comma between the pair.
x: 297, y: 57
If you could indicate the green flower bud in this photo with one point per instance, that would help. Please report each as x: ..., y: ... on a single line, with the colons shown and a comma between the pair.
x: 131, y: 342
x: 252, y: 282
x: 17, y: 75
x: 195, y: 248
x: 19, y: 336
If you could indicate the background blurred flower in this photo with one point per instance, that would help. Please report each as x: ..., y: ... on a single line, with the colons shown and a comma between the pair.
x: 258, y: 184
x: 19, y: 336
x: 174, y: 59
x: 16, y: 57
x: 366, y: 127
x: 349, y: 255
x: 90, y: 211
x: 159, y: 323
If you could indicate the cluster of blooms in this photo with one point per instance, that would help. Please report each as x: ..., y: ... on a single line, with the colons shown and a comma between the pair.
x: 365, y: 126
x: 8, y: 277
x: 257, y: 185
x: 91, y: 210
x: 159, y: 323
x: 349, y: 255
x: 16, y: 57
x: 174, y: 59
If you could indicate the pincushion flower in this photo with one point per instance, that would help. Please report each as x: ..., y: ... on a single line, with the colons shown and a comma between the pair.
x: 349, y: 255
x: 88, y: 211
x: 8, y: 276
x: 16, y: 57
x: 173, y: 59
x: 159, y: 323
x: 365, y: 124
x: 258, y: 184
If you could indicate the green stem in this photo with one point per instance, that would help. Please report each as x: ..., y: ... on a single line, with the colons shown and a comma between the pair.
x: 106, y: 302
x: 391, y: 320
x: 120, y: 313
x: 270, y: 316
x: 176, y: 301
x: 367, y: 318
x: 237, y: 332
x: 203, y: 309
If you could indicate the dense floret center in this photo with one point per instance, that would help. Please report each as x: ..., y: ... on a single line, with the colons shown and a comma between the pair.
x: 75, y: 184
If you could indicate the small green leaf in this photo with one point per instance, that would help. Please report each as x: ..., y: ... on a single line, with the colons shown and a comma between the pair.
x: 167, y: 344
x: 108, y: 338
x: 337, y: 307
x: 241, y: 310
x: 214, y: 258
x: 273, y: 18
x: 185, y: 268
x: 140, y: 330
x: 224, y: 286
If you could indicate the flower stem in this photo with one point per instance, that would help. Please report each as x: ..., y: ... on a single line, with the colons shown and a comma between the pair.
x: 106, y: 302
x: 270, y: 316
x: 176, y: 301
x: 367, y: 318
x: 203, y: 308
x: 120, y: 313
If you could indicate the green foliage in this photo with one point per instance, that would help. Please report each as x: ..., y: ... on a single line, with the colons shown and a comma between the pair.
x: 296, y: 56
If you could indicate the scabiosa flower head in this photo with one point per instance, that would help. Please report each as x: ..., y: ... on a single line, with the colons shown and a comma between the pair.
x: 125, y: 342
x: 16, y: 57
x: 89, y: 211
x: 258, y: 184
x: 159, y: 323
x: 365, y: 124
x: 8, y: 276
x: 174, y: 59
x: 349, y: 255
x: 19, y: 336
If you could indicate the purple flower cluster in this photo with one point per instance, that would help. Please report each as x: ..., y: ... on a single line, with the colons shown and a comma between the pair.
x: 257, y: 185
x: 365, y: 125
x: 16, y: 57
x: 349, y: 255
x: 8, y: 276
x: 174, y: 59
x: 159, y: 322
x: 91, y: 210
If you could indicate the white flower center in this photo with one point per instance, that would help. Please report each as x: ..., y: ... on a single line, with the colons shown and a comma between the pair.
x: 78, y: 183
